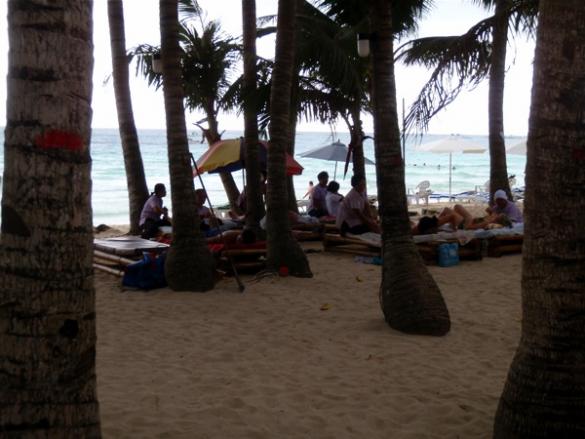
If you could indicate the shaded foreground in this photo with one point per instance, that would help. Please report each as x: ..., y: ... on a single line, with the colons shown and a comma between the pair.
x: 270, y: 363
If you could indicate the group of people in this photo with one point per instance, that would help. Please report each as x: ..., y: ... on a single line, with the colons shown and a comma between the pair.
x: 352, y: 213
x: 502, y: 213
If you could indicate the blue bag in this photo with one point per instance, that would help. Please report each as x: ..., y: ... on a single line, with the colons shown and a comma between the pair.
x: 146, y: 274
x: 448, y: 255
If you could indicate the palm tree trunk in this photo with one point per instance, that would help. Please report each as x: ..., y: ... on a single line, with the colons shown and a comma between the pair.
x: 254, y: 204
x: 227, y: 179
x: 283, y: 249
x: 498, y: 166
x: 47, y: 297
x: 290, y: 184
x: 135, y: 178
x: 544, y: 395
x: 189, y: 265
x: 357, y: 144
x: 410, y: 299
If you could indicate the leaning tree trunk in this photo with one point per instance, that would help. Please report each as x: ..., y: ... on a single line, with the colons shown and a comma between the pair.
x: 135, y: 178
x: 498, y: 166
x: 544, y: 395
x: 254, y: 203
x: 189, y: 265
x: 283, y: 249
x: 290, y: 186
x: 410, y: 299
x: 47, y: 300
x: 227, y: 179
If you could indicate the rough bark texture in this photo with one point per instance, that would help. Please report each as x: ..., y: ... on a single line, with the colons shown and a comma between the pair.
x: 410, y: 299
x: 544, y: 395
x: 47, y: 302
x: 283, y: 249
x: 254, y: 203
x: 357, y: 143
x: 189, y: 265
x: 135, y: 178
x: 498, y: 165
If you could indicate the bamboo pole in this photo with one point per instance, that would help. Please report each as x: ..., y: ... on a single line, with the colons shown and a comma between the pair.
x: 114, y: 258
x: 109, y: 270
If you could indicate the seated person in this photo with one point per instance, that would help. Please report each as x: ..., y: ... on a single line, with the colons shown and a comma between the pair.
x: 333, y: 198
x: 355, y: 215
x: 153, y: 214
x: 457, y: 218
x: 208, y: 223
x: 244, y: 236
x: 318, y: 202
x: 504, y: 209
x: 294, y: 219
x: 241, y: 202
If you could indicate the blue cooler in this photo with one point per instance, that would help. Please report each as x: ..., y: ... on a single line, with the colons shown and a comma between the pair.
x: 448, y: 255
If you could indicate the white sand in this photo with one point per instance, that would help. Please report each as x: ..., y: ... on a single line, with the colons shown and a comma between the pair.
x: 270, y: 364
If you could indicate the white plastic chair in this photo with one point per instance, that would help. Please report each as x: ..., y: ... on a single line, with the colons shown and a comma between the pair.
x: 422, y: 191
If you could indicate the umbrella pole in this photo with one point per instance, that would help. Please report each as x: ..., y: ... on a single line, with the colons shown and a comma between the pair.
x: 335, y: 171
x: 241, y: 286
x: 450, y: 169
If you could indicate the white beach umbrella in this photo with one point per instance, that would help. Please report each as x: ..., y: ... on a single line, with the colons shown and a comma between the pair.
x: 334, y: 152
x: 518, y: 148
x: 452, y: 144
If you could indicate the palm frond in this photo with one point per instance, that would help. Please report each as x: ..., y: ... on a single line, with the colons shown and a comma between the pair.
x: 458, y: 61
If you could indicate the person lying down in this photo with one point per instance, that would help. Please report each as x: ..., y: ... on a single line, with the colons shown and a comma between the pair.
x: 457, y: 218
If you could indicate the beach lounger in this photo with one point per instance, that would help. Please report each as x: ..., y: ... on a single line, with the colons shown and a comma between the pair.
x: 369, y: 244
x: 245, y: 257
x: 128, y: 245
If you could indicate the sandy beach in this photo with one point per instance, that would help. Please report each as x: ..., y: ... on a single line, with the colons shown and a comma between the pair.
x: 305, y: 358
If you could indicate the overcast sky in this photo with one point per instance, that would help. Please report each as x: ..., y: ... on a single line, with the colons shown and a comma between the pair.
x: 468, y: 115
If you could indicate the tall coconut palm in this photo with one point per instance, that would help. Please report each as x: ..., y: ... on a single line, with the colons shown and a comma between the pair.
x: 189, y: 265
x: 207, y: 59
x: 254, y: 202
x: 410, y: 299
x: 47, y: 298
x: 478, y: 53
x: 135, y: 178
x: 544, y: 395
x: 283, y: 249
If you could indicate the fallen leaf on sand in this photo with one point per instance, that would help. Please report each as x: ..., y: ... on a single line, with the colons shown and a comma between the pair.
x: 359, y: 279
x: 325, y: 307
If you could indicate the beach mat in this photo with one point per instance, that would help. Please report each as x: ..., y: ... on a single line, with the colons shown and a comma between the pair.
x: 128, y: 245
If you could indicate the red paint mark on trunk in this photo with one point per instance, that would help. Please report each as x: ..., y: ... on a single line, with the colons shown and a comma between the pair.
x: 56, y: 139
x: 579, y: 154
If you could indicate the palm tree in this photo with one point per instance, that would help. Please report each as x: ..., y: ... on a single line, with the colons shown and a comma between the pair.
x: 410, y: 299
x: 207, y: 59
x: 189, y: 265
x: 47, y: 297
x: 478, y: 53
x: 254, y: 202
x: 544, y: 395
x: 283, y: 249
x: 135, y: 178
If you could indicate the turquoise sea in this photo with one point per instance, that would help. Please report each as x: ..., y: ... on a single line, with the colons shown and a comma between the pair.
x: 110, y: 199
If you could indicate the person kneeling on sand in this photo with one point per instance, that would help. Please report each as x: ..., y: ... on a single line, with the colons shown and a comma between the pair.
x: 504, y: 209
x: 153, y: 214
x: 354, y: 215
x: 454, y: 219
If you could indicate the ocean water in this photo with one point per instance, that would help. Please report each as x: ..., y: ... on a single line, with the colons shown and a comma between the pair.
x: 110, y: 198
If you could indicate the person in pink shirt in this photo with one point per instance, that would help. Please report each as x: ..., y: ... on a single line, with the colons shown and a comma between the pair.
x: 153, y: 214
x: 354, y: 215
